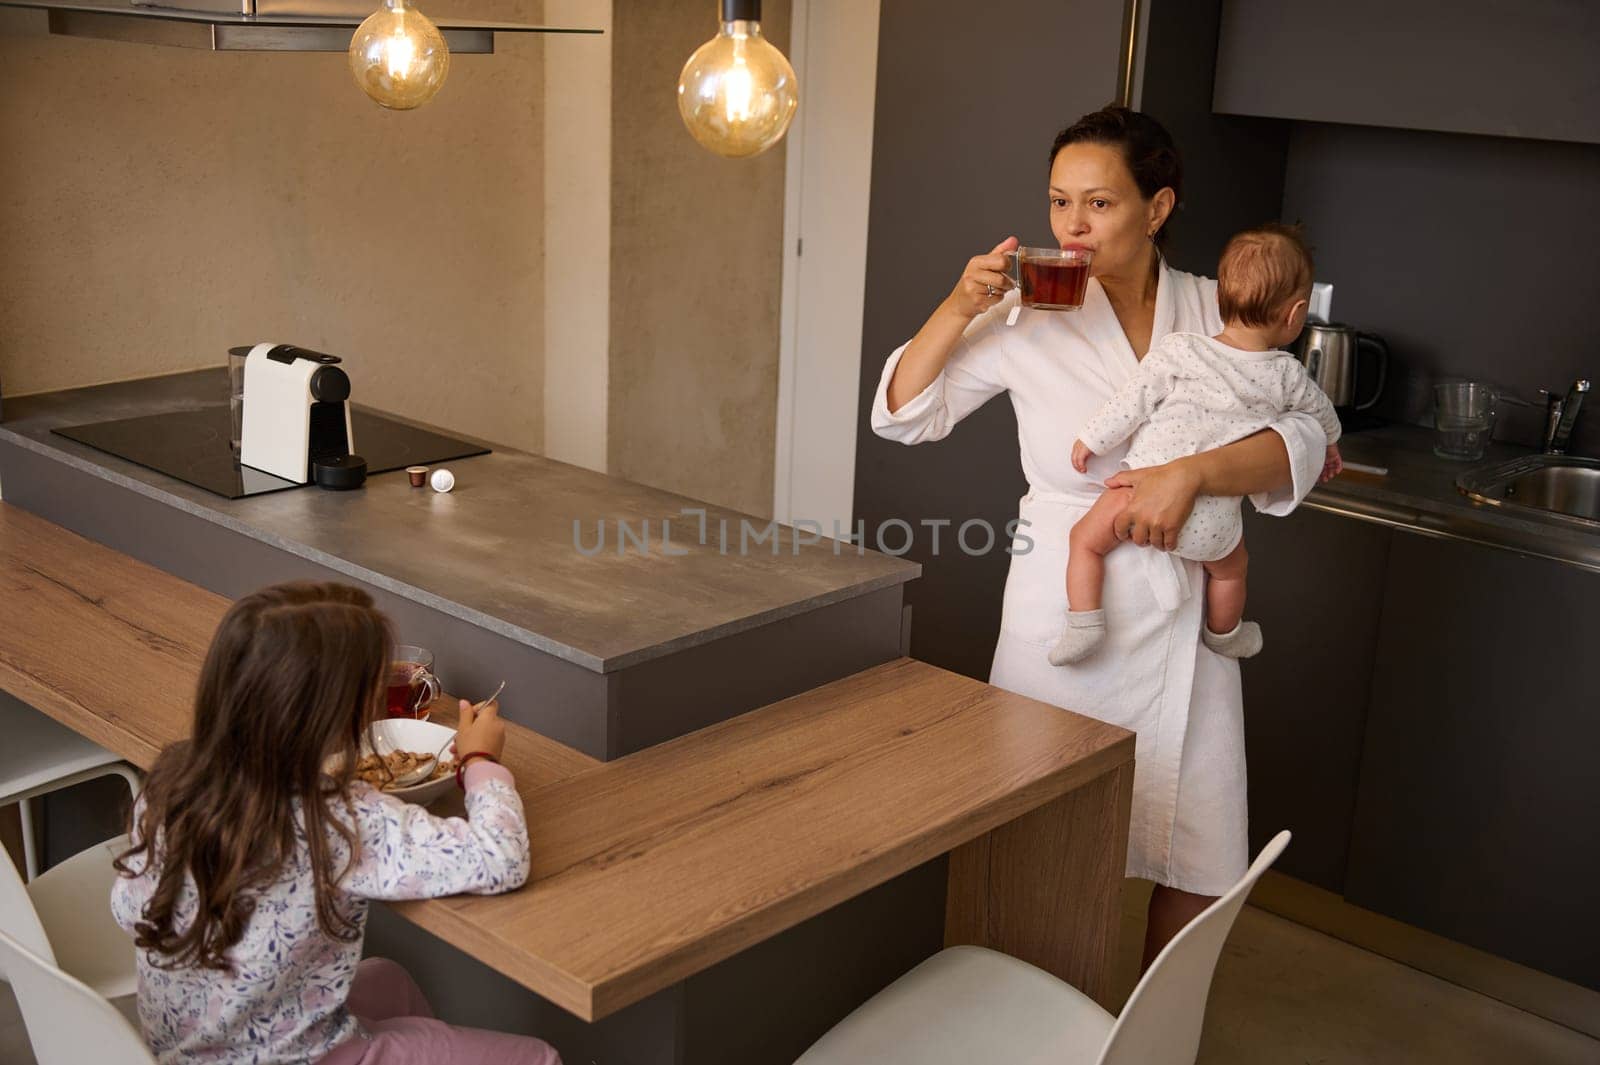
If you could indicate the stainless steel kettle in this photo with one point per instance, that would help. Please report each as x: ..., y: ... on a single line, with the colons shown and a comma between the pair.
x: 1331, y: 352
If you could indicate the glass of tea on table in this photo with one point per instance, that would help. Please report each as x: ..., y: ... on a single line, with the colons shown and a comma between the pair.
x: 1051, y: 279
x: 412, y: 685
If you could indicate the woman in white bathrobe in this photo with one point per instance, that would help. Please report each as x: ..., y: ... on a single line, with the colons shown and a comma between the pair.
x: 1114, y: 179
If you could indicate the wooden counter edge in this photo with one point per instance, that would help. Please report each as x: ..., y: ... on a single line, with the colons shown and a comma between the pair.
x: 592, y: 999
x: 612, y: 993
x: 601, y: 995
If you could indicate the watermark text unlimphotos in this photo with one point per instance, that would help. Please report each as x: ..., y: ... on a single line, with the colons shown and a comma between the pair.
x: 895, y: 536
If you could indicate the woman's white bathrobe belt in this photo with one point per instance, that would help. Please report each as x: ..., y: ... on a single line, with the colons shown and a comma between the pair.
x: 1153, y: 675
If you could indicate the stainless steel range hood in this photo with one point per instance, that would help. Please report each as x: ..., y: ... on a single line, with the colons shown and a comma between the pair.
x: 247, y: 25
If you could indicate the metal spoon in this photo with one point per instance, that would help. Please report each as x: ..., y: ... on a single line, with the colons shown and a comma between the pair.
x: 425, y: 768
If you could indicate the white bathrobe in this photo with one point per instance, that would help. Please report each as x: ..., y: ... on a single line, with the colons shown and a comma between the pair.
x: 1153, y: 675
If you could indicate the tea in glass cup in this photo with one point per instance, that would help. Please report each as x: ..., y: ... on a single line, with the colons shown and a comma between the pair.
x: 1051, y: 279
x: 412, y: 685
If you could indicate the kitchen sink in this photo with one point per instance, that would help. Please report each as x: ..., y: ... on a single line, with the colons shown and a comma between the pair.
x: 1564, y: 488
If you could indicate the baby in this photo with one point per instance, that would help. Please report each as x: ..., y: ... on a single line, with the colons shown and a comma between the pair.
x: 1190, y: 394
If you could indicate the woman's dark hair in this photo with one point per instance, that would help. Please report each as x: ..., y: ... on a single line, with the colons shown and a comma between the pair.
x: 295, y: 675
x: 1146, y: 148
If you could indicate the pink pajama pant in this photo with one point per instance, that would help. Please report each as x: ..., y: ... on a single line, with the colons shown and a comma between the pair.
x: 391, y: 1008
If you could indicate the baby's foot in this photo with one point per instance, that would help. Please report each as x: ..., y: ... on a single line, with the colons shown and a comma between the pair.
x: 1243, y: 642
x: 1085, y: 630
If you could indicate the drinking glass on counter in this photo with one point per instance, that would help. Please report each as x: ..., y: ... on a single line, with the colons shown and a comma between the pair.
x: 1463, y: 419
x: 412, y: 685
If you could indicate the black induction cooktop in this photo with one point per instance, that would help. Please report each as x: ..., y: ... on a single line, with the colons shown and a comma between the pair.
x: 192, y: 445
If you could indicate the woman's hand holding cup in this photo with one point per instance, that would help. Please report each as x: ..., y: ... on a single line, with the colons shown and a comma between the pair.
x: 984, y: 282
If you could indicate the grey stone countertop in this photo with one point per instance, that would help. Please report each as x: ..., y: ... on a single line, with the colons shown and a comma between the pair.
x: 500, y: 551
x: 1419, y: 494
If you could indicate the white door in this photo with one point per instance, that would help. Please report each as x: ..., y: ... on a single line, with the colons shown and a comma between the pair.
x: 834, y: 50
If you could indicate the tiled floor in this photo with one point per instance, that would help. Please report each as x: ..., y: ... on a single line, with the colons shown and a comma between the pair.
x: 1285, y: 995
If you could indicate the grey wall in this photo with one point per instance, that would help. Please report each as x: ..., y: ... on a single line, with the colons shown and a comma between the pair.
x: 1472, y: 256
x: 1233, y: 167
x: 967, y: 108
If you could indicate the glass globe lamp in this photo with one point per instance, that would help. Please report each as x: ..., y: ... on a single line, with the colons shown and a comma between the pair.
x: 398, y: 56
x: 737, y: 93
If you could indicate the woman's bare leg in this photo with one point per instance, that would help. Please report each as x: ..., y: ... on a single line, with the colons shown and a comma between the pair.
x: 1170, y: 910
x: 1225, y: 590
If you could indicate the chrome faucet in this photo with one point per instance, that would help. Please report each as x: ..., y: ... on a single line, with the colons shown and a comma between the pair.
x: 1560, y: 413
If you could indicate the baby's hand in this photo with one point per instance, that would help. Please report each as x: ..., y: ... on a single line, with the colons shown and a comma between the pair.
x: 1332, y: 466
x: 1081, y: 456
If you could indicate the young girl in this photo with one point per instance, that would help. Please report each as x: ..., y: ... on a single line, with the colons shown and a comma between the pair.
x: 247, y: 885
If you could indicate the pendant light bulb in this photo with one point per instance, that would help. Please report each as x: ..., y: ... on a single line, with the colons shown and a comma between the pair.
x: 398, y: 56
x: 737, y: 93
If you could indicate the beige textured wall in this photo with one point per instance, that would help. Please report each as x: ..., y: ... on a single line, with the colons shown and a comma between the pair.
x: 695, y: 275
x: 160, y: 204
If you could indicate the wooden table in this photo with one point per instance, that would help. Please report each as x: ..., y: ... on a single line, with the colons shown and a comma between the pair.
x: 651, y: 868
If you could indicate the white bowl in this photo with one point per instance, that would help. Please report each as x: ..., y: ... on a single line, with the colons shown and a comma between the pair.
x: 422, y: 737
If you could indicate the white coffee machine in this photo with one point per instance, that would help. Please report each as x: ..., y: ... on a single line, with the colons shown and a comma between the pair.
x: 297, y: 417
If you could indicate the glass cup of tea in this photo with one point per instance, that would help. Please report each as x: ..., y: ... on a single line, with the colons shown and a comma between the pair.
x: 1463, y: 419
x: 412, y: 685
x: 1051, y: 279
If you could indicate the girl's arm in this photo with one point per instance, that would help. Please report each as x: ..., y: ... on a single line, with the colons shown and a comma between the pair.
x: 407, y: 853
x: 1276, y: 466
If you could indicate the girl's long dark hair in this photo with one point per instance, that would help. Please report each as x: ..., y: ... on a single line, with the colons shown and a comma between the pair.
x: 294, y: 675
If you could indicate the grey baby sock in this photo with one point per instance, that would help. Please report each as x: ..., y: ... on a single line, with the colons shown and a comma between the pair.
x: 1085, y: 630
x: 1243, y: 642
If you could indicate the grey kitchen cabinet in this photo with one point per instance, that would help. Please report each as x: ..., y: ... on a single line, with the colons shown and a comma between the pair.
x: 1478, y: 808
x: 1316, y: 587
x: 1463, y: 66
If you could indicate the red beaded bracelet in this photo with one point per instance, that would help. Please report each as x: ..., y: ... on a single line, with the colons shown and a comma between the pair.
x: 462, y: 765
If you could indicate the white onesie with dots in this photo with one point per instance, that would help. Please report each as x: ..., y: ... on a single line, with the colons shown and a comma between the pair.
x: 1192, y: 394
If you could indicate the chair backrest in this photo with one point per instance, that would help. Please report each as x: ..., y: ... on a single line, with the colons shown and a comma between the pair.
x: 18, y: 918
x: 67, y: 1023
x: 1161, y: 1023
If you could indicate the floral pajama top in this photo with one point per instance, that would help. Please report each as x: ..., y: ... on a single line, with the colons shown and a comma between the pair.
x: 284, y: 1001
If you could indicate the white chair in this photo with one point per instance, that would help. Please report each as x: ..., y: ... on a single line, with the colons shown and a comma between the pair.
x: 65, y: 917
x: 968, y: 1004
x: 68, y: 1024
x: 41, y: 756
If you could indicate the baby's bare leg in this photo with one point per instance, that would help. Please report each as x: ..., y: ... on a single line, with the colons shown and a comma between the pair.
x: 1225, y: 590
x: 1092, y: 538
